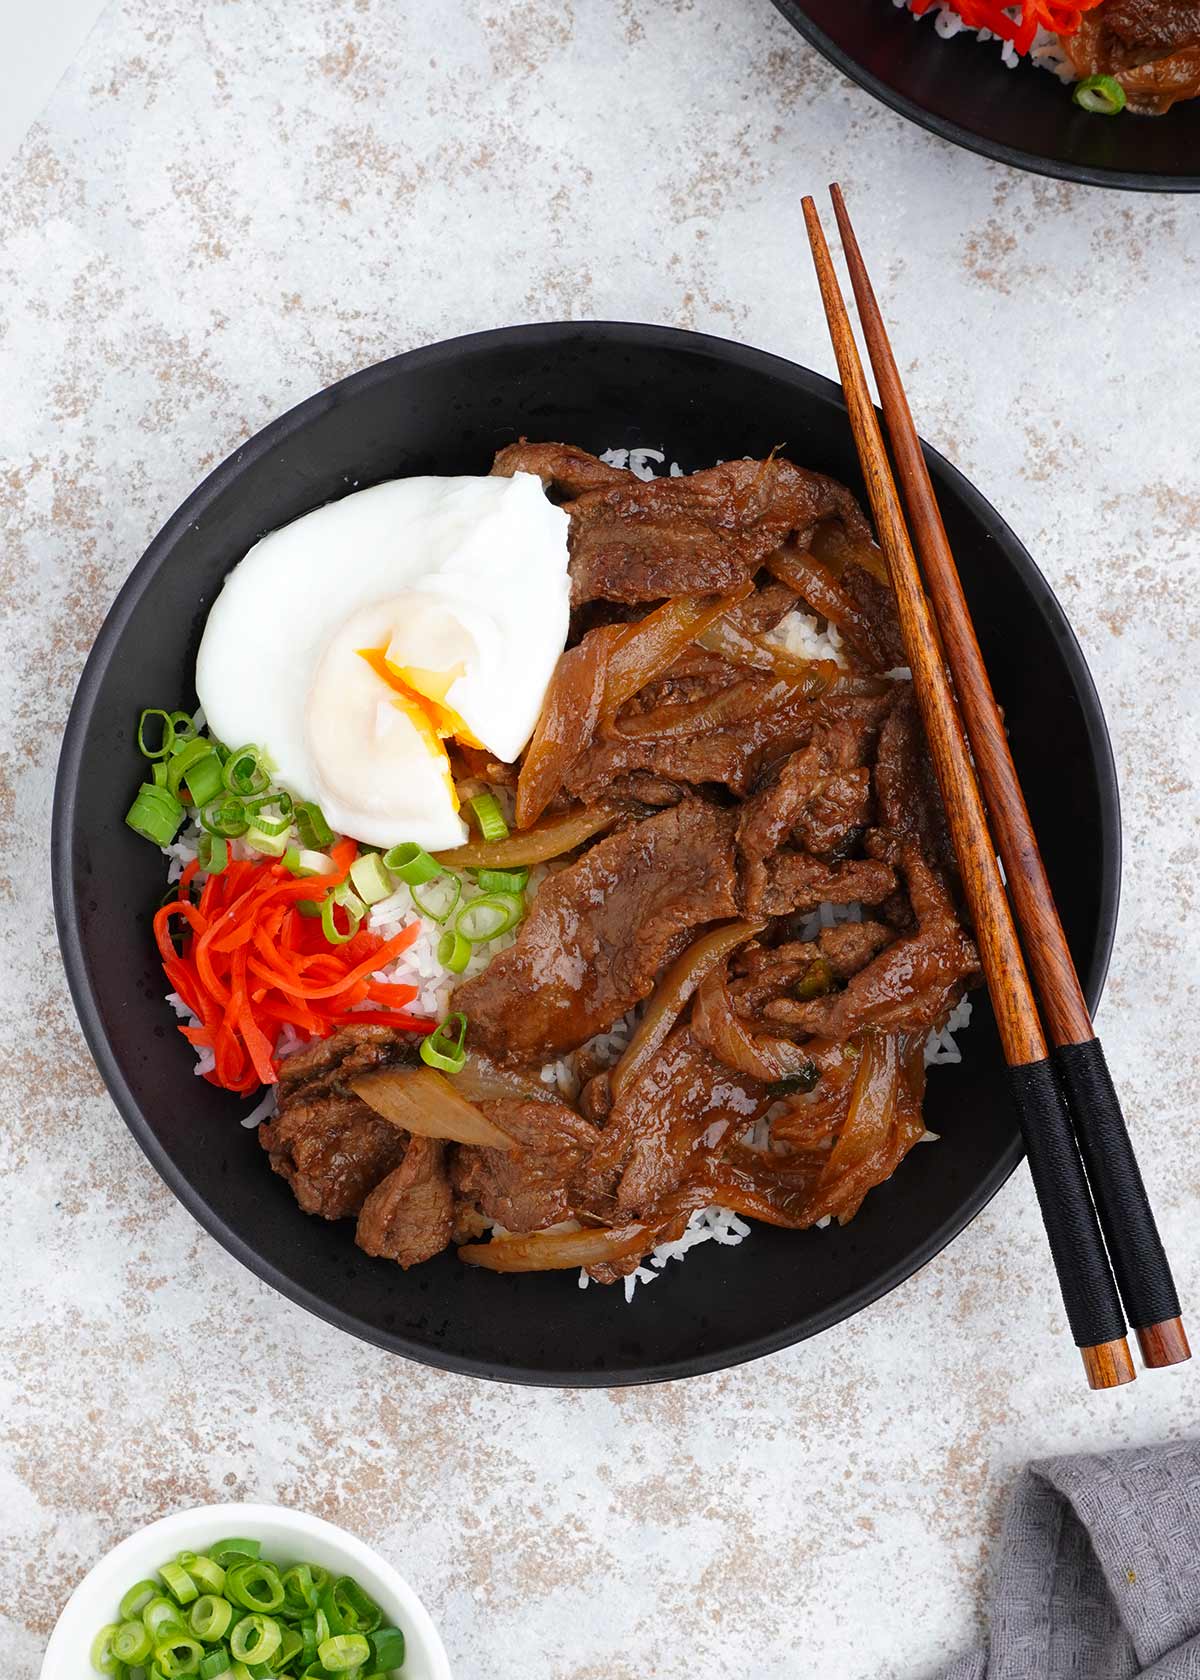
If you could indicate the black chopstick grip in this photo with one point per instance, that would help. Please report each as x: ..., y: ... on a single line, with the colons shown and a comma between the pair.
x: 1134, y: 1245
x: 1084, y: 1275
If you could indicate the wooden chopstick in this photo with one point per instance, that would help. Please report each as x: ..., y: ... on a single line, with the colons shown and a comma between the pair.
x: 1143, y: 1273
x: 1088, y: 1291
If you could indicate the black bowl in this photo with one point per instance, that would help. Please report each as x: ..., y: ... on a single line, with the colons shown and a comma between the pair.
x: 446, y: 409
x: 960, y: 89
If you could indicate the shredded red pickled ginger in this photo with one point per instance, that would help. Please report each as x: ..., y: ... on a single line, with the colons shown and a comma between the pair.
x: 1017, y: 23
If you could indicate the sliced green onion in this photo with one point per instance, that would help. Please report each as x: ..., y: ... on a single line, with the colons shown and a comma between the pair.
x: 411, y: 863
x: 158, y: 773
x: 485, y: 918
x: 212, y: 854
x: 215, y: 1664
x: 209, y: 1618
x: 321, y: 1628
x: 371, y: 880
x: 255, y: 1586
x: 343, y: 1651
x: 181, y: 760
x: 204, y: 781
x: 155, y: 814
x: 439, y: 898
x: 359, y: 1611
x: 131, y: 1643
x: 387, y: 1648
x: 489, y: 816
x: 270, y: 845
x: 1101, y: 95
x: 179, y: 1583
x: 501, y: 880
x: 104, y: 1659
x: 453, y: 951
x: 245, y: 772
x: 300, y: 861
x: 301, y: 1590
x: 279, y: 823
x: 290, y: 1645
x: 185, y: 727
x: 234, y: 1551
x: 229, y: 820
x: 178, y: 1655
x: 315, y: 832
x: 310, y: 907
x: 442, y: 1049
x: 308, y: 1633
x: 138, y: 1596
x: 168, y: 733
x: 210, y: 1575
x: 345, y: 898
x: 255, y: 1639
x: 160, y: 1616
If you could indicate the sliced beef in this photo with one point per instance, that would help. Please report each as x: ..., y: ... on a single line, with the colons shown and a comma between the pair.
x: 906, y: 792
x: 702, y: 534
x: 775, y: 719
x: 1151, y: 29
x: 600, y: 931
x: 641, y: 787
x: 821, y: 796
x: 851, y: 945
x: 684, y: 1098
x: 1151, y: 47
x: 770, y: 603
x: 409, y: 1217
x: 560, y: 466
x: 768, y: 971
x: 333, y: 1063
x: 525, y: 1188
x: 794, y: 881
x: 332, y: 1149
x: 910, y: 986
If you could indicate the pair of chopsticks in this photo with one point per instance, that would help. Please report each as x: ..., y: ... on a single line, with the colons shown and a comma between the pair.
x: 1093, y: 1202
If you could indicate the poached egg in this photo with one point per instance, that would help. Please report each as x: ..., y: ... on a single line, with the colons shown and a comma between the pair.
x: 352, y: 643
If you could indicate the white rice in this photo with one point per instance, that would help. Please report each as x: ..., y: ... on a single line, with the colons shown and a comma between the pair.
x: 800, y: 633
x: 1044, y: 51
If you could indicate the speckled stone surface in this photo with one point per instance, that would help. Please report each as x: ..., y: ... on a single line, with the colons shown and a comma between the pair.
x: 227, y: 205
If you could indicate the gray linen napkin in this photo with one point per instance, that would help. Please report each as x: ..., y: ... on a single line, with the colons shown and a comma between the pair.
x: 1098, y: 1575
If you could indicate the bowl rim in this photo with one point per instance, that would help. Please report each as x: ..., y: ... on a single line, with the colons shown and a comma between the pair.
x: 1086, y: 175
x: 547, y: 336
x: 418, y: 1623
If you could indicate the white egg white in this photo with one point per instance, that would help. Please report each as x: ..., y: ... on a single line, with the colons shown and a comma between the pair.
x: 463, y: 580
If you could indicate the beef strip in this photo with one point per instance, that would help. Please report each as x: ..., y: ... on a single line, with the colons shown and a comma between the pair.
x: 332, y: 1149
x: 770, y: 603
x: 409, y: 1216
x: 911, y: 985
x: 525, y: 1188
x: 646, y: 540
x: 821, y: 796
x: 794, y: 881
x: 765, y: 972
x: 850, y: 946
x: 641, y: 787
x: 779, y: 719
x: 560, y: 466
x: 908, y: 802
x: 682, y: 1098
x: 1151, y: 29
x: 599, y: 932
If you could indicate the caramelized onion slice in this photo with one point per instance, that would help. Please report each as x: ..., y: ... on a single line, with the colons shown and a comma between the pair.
x: 647, y: 649
x: 671, y: 996
x: 872, y: 1105
x: 739, y: 647
x: 814, y: 581
x: 424, y: 1102
x: 731, y: 705
x: 480, y: 1080
x: 556, y: 1251
x: 567, y: 721
x: 720, y: 1029
x: 533, y: 845
x: 833, y: 544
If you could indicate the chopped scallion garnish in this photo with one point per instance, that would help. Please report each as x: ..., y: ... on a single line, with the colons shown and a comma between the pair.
x: 501, y: 880
x: 212, y: 854
x: 444, y: 1049
x: 228, y: 819
x: 204, y: 782
x: 489, y: 816
x: 370, y: 879
x: 439, y: 897
x: 485, y: 918
x: 245, y: 773
x: 155, y: 814
x: 411, y: 864
x: 1103, y: 96
x: 166, y: 737
x: 453, y: 951
x: 343, y: 898
x: 315, y: 832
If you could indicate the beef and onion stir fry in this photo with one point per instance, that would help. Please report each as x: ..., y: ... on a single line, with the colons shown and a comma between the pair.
x: 673, y: 1027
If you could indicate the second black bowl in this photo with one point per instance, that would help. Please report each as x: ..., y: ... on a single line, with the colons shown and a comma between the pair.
x: 447, y: 409
x: 960, y: 89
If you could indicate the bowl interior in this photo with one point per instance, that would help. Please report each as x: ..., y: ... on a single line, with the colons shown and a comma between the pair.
x: 447, y: 409
x: 286, y: 1536
x: 961, y: 90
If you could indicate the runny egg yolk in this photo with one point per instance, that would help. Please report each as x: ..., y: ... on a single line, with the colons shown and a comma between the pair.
x: 420, y: 695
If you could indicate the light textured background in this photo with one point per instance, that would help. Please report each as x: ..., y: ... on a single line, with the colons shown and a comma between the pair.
x: 227, y: 204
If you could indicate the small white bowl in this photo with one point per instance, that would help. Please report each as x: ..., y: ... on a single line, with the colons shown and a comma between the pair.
x: 288, y: 1536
